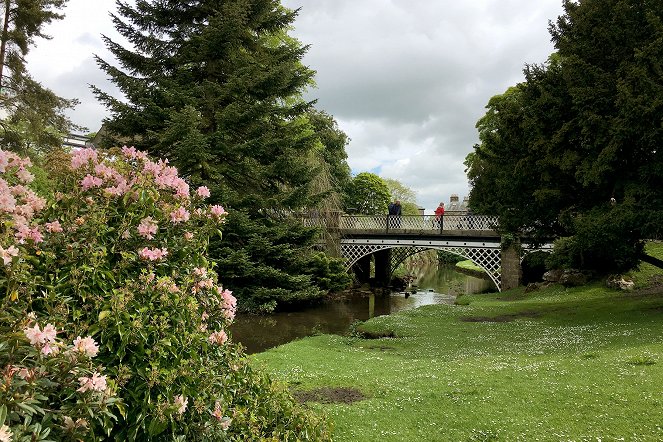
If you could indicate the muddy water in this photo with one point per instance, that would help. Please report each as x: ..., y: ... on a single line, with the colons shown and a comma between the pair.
x: 433, y: 286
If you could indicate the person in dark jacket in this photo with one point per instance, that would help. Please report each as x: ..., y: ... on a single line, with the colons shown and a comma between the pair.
x: 395, y: 214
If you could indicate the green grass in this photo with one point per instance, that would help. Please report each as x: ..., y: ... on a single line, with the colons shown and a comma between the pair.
x: 469, y: 265
x: 582, y: 364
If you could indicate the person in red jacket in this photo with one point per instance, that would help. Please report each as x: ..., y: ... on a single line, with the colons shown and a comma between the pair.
x: 439, y: 213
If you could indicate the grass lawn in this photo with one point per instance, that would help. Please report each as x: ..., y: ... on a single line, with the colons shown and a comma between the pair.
x: 581, y: 364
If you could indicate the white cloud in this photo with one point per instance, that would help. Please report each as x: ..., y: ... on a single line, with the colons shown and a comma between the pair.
x: 406, y: 79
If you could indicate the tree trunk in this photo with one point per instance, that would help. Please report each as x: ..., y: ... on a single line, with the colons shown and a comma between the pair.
x: 651, y: 260
x: 5, y: 37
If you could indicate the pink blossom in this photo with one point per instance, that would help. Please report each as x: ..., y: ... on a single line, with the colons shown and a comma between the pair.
x: 206, y: 283
x: 91, y: 181
x: 86, y: 345
x: 4, y: 161
x: 7, y: 202
x: 126, y: 234
x: 153, y: 254
x: 217, y: 211
x: 131, y: 153
x: 147, y: 228
x: 36, y: 336
x: 188, y: 236
x: 35, y: 202
x: 53, y: 227
x: 200, y: 271
x: 16, y: 190
x: 179, y: 215
x: 24, y: 176
x: 203, y: 192
x: 24, y: 232
x: 121, y: 186
x: 229, y: 305
x: 106, y: 171
x: 218, y: 337
x: 225, y: 422
x: 6, y: 434
x: 49, y: 333
x: 47, y: 350
x: 94, y: 383
x: 181, y: 403
x: 8, y: 253
x: 217, y: 413
x: 81, y: 157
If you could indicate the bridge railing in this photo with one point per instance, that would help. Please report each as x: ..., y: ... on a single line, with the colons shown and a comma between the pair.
x: 450, y: 221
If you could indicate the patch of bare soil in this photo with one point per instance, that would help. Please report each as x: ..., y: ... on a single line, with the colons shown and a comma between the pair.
x: 654, y: 287
x: 328, y: 395
x: 502, y: 318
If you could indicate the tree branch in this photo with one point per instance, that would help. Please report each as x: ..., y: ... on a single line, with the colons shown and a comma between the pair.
x: 651, y: 260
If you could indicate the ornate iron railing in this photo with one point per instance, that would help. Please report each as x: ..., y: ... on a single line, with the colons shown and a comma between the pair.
x: 450, y: 221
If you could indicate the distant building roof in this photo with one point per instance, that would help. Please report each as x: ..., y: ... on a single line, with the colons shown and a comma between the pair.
x: 76, y: 140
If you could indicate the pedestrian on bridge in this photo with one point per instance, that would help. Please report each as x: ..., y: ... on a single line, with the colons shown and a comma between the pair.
x: 395, y: 214
x: 439, y: 214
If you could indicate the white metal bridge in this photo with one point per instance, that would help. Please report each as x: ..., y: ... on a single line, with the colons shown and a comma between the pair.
x: 472, y: 237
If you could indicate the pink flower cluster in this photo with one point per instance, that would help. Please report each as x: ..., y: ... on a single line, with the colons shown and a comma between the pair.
x: 218, y: 337
x: 218, y: 415
x: 153, y: 254
x: 179, y: 215
x: 203, y: 192
x: 18, y: 204
x: 8, y: 254
x: 82, y: 157
x: 86, y: 346
x: 217, y: 211
x: 165, y: 177
x: 229, y: 304
x: 44, y: 339
x: 94, y: 383
x: 147, y: 228
x: 181, y: 403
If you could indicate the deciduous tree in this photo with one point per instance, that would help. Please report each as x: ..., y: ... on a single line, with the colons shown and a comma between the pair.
x: 368, y: 194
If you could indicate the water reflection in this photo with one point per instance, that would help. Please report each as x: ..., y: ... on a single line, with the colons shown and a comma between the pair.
x: 434, y: 286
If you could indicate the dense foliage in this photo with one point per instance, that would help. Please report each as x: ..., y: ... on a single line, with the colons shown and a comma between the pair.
x: 404, y: 194
x: 574, y: 151
x: 119, y: 257
x: 216, y: 87
x: 367, y: 194
x: 32, y: 116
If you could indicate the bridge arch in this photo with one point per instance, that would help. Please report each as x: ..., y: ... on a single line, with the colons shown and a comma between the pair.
x: 485, y: 255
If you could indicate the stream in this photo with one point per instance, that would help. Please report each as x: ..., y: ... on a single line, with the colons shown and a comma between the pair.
x: 433, y: 285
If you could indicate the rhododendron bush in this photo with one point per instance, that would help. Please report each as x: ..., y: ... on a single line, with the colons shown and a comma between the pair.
x: 113, y: 319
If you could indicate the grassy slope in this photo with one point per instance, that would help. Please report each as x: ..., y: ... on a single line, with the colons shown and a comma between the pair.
x: 573, y: 364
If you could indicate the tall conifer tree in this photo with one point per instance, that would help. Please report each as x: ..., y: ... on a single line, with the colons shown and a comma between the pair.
x: 216, y: 87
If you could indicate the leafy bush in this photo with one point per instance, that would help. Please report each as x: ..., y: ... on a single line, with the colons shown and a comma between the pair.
x: 599, y: 242
x: 445, y: 257
x: 120, y: 256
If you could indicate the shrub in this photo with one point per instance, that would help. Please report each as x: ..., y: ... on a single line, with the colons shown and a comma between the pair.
x: 120, y: 256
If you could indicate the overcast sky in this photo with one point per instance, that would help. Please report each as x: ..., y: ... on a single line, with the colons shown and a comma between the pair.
x: 405, y: 79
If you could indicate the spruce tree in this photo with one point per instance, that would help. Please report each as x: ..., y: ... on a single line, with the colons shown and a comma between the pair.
x: 216, y: 87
